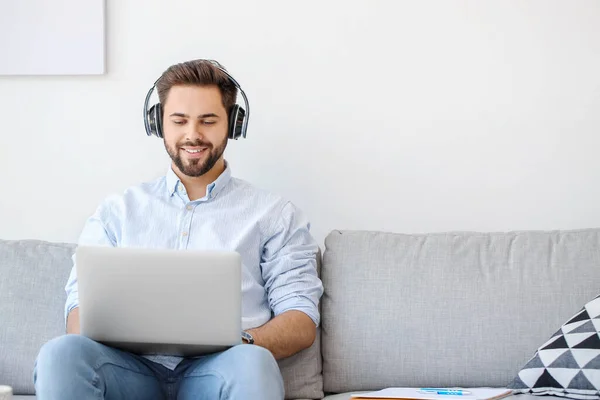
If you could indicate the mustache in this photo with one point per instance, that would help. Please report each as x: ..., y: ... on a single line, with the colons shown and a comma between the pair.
x: 198, y: 143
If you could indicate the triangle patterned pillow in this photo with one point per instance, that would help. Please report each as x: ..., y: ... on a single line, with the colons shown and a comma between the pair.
x: 568, y: 364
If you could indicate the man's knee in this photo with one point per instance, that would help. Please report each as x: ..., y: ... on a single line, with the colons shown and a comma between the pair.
x: 253, y: 371
x: 254, y: 357
x: 256, y: 365
x: 60, y: 353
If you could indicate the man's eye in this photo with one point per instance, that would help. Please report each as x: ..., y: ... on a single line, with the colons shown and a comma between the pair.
x: 209, y: 122
x: 179, y: 122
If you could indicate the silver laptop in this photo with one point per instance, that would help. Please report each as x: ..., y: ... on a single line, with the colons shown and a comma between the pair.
x: 150, y: 301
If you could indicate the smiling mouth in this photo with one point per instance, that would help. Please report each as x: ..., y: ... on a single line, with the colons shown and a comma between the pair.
x: 194, y: 150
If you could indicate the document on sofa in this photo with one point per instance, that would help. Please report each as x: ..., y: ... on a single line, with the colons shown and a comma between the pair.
x: 436, y: 394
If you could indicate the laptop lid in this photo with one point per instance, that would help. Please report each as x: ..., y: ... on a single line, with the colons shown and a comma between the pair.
x: 160, y: 301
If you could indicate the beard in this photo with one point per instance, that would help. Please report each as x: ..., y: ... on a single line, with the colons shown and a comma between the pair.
x: 200, y: 166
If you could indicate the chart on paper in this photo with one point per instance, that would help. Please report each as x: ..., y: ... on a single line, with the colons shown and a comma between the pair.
x: 439, y: 394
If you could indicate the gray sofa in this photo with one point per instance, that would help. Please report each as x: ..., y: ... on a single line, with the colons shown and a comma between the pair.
x: 446, y: 309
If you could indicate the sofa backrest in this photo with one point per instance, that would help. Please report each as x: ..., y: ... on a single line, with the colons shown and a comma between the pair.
x: 448, y: 309
x: 32, y: 297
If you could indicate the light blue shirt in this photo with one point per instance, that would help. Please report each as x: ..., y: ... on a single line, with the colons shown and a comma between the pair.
x: 271, y: 235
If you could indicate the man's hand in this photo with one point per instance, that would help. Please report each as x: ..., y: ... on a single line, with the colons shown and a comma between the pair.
x: 73, y: 322
x: 284, y: 335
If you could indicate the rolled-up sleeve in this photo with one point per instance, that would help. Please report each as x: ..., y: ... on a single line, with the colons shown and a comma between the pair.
x: 94, y: 233
x: 289, y: 265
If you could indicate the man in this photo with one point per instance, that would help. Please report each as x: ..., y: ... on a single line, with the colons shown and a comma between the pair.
x: 199, y: 205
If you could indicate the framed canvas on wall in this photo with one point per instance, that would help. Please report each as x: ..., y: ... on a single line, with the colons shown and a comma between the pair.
x: 52, y: 37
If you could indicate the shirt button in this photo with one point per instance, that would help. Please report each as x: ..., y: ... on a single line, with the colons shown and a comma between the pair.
x: 189, y: 208
x: 184, y: 234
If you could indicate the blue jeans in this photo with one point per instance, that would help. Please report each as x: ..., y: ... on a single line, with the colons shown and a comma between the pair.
x: 75, y: 367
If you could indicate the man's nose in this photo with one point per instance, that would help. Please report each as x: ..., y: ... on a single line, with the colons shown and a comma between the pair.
x: 196, y: 131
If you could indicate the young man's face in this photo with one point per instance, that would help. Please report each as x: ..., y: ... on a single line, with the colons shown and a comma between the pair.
x: 195, y: 128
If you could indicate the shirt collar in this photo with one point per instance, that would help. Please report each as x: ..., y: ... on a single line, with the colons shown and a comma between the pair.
x: 222, y: 180
x: 173, y: 182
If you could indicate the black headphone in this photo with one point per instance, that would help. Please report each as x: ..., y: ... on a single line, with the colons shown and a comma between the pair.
x: 238, y: 117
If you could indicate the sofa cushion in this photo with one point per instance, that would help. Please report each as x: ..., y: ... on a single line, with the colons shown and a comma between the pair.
x: 32, y: 298
x: 447, y: 309
x: 347, y: 396
x: 568, y: 364
x: 303, y: 372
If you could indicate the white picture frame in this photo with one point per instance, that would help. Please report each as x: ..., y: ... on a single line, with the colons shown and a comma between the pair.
x: 52, y: 37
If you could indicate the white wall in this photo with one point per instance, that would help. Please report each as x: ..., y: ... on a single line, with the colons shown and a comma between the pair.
x: 407, y: 116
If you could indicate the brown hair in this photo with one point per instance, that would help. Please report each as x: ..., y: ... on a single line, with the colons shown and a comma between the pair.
x: 200, y: 73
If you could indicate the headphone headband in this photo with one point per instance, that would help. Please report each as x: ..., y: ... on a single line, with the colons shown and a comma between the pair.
x: 238, y: 118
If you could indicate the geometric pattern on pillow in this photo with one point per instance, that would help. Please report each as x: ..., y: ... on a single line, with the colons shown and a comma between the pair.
x: 568, y: 364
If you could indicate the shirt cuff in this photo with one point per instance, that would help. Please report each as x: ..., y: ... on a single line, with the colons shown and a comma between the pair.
x: 302, y: 304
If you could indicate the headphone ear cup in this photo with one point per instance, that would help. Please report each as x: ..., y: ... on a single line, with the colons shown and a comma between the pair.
x: 236, y: 122
x: 155, y: 120
x: 159, y: 120
x: 232, y: 121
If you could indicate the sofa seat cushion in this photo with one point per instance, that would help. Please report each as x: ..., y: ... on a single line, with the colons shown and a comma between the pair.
x: 346, y: 396
x: 342, y: 396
